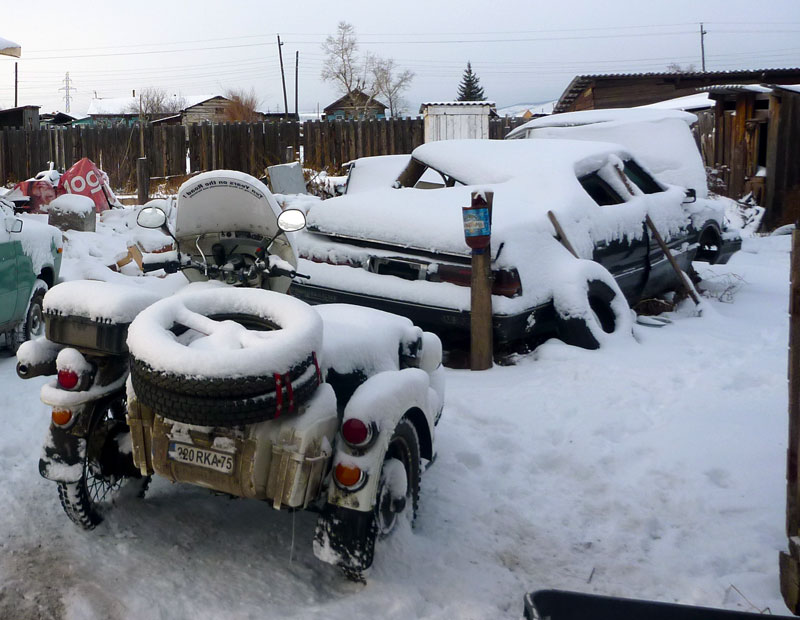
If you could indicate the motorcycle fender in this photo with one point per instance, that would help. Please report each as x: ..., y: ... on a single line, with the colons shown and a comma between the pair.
x: 62, y: 455
x: 393, y: 394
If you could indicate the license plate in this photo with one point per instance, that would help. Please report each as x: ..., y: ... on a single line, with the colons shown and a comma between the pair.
x: 201, y: 457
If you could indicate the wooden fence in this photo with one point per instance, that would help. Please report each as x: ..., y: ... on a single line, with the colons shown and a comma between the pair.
x: 177, y: 149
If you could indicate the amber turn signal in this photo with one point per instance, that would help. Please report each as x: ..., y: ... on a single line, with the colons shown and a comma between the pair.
x: 61, y: 416
x: 348, y: 476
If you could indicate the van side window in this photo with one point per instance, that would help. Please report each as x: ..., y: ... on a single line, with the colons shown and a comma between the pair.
x: 600, y: 191
x: 641, y: 179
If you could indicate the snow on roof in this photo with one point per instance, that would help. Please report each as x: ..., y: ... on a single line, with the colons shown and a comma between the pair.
x: 747, y: 88
x: 587, y: 117
x: 9, y: 48
x: 688, y: 102
x: 793, y: 87
x: 543, y: 107
x: 490, y: 104
x: 122, y: 105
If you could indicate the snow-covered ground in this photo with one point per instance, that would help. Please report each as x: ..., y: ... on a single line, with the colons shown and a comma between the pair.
x: 653, y: 468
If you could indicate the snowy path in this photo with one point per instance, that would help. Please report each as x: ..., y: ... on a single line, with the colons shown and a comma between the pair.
x: 651, y: 469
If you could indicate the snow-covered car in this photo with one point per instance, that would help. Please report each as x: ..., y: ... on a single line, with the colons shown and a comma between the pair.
x: 403, y: 249
x: 30, y: 259
x: 660, y: 139
x: 368, y: 173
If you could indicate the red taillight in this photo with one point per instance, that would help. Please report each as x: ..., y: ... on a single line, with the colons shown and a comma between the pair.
x: 68, y: 379
x: 461, y: 276
x: 356, y: 433
x: 507, y: 283
x: 504, y: 283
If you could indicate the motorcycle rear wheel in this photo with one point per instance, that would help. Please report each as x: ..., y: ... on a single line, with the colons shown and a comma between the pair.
x: 84, y: 501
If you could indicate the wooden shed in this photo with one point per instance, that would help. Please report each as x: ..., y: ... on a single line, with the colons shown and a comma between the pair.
x: 23, y: 117
x: 750, y: 140
x: 456, y: 120
x: 623, y: 90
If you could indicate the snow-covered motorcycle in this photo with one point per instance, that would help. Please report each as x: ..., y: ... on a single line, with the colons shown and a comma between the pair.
x: 235, y: 386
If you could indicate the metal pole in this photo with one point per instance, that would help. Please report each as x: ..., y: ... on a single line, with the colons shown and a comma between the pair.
x: 296, y: 71
x: 703, y: 33
x: 16, y: 83
x: 283, y: 79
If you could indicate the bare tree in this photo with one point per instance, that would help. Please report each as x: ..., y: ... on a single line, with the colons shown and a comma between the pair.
x: 242, y: 106
x: 353, y: 75
x: 675, y: 67
x: 391, y: 84
x: 155, y: 103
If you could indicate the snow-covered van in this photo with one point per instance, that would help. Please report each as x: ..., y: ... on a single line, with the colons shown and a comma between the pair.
x: 403, y: 250
x: 30, y: 259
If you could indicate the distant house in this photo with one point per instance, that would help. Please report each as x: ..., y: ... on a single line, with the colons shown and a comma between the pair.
x: 355, y: 105
x: 196, y: 109
x: 56, y: 118
x: 623, y: 90
x: 22, y: 117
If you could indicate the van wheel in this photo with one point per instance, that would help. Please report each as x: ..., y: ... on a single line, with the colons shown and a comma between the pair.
x: 32, y: 326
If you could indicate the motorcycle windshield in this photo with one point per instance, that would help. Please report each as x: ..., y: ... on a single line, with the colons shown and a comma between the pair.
x: 225, y: 201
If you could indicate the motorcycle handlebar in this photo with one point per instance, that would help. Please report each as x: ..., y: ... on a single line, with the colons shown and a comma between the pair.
x: 213, y: 270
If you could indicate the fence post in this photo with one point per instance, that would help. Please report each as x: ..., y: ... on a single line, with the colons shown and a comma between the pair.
x: 142, y: 180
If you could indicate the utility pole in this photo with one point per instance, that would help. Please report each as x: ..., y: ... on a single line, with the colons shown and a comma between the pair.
x: 67, y: 88
x: 296, y: 65
x: 283, y: 79
x: 703, y: 33
x: 16, y: 84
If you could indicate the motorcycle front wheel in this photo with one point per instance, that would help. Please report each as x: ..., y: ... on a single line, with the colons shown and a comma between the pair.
x: 106, y: 469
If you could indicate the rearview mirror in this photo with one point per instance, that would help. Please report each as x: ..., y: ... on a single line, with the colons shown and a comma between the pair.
x: 151, y: 217
x: 291, y: 220
x: 13, y: 225
x: 691, y: 195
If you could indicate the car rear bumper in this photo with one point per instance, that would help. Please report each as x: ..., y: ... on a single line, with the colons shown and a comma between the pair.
x: 448, y: 323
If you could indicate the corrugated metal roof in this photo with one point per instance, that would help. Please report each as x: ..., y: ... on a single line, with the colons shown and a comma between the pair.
x: 580, y: 82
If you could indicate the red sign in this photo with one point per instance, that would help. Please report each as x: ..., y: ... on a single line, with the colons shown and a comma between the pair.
x: 41, y: 193
x: 86, y: 179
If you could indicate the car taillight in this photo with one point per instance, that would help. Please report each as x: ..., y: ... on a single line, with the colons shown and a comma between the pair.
x: 349, y: 477
x: 68, y: 379
x: 505, y: 282
x: 356, y: 433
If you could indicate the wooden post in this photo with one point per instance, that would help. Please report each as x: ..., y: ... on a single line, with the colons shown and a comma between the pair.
x: 790, y: 562
x: 672, y: 261
x: 481, y: 337
x: 142, y: 180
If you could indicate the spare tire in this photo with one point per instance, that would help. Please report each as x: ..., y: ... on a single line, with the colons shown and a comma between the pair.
x: 225, y: 356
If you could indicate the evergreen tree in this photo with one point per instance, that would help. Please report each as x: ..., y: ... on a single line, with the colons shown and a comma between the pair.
x: 470, y: 88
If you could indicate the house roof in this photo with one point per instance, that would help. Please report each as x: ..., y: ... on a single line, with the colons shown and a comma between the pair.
x: 118, y: 106
x: 581, y: 82
x: 342, y: 102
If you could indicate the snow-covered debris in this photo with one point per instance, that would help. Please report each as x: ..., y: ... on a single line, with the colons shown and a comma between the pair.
x: 72, y: 203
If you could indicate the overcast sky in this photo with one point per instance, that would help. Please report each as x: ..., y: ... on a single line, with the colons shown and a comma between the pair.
x: 523, y: 52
